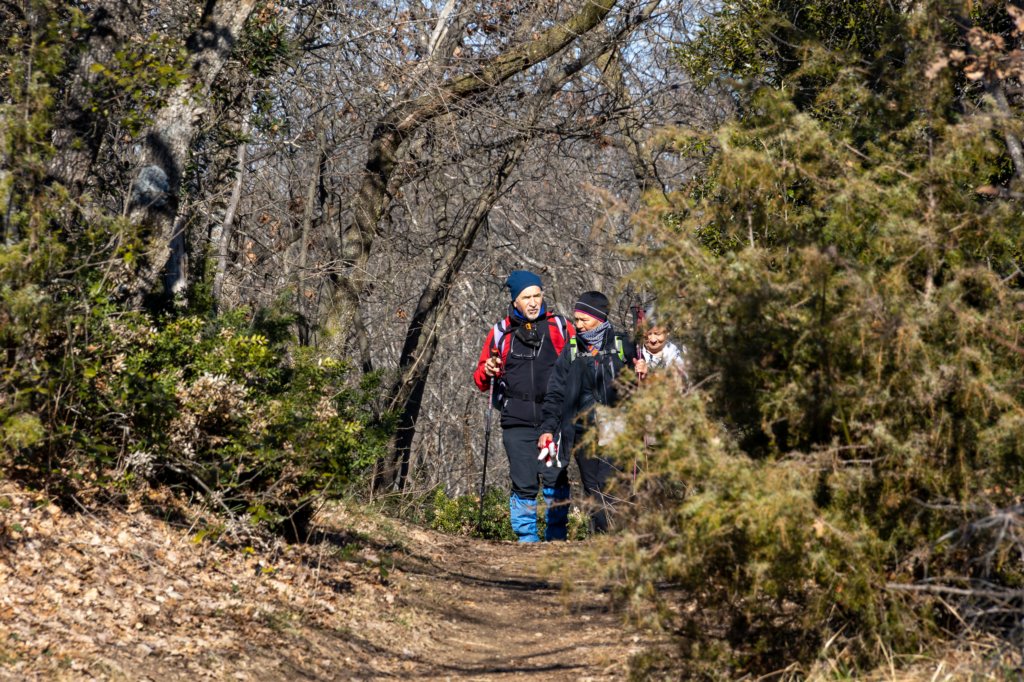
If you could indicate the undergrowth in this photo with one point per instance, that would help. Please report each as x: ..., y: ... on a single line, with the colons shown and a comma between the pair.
x: 840, y: 481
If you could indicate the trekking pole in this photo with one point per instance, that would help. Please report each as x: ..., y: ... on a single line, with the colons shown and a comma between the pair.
x: 487, y: 446
x: 638, y: 325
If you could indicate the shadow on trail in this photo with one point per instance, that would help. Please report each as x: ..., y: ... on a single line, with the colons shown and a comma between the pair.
x: 475, y: 614
x: 510, y: 584
x: 517, y: 668
x: 347, y: 538
x: 355, y: 668
x: 420, y: 667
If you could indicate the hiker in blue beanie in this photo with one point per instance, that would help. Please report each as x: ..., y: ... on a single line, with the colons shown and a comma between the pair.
x: 518, y: 355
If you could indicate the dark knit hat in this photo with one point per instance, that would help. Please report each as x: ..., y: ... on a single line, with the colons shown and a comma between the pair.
x: 521, y: 279
x: 593, y: 303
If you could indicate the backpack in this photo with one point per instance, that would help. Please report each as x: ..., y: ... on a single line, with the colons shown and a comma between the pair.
x: 501, y: 330
x: 500, y: 338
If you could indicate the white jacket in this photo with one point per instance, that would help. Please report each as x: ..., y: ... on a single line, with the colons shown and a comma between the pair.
x: 671, y: 356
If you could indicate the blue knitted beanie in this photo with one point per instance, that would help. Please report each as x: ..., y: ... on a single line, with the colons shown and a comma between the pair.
x: 521, y: 279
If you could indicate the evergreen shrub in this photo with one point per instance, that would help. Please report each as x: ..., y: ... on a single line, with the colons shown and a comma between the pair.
x: 459, y: 515
x: 215, y: 405
x: 95, y: 394
x: 841, y: 480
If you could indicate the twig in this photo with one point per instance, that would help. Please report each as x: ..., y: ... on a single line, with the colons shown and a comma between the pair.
x: 958, y: 591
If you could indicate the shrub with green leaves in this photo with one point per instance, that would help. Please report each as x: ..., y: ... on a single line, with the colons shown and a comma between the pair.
x: 215, y: 405
x: 459, y: 515
x: 93, y: 392
x: 852, y: 306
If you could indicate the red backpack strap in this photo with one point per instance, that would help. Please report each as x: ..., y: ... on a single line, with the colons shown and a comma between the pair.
x: 558, y: 341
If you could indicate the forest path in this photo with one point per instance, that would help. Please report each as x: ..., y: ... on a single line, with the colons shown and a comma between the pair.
x: 124, y: 594
x: 502, y: 611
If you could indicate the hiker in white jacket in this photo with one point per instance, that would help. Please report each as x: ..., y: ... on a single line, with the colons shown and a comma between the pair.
x: 660, y: 353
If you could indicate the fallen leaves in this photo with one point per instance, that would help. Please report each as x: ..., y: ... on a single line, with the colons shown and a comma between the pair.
x: 118, y: 591
x: 122, y: 594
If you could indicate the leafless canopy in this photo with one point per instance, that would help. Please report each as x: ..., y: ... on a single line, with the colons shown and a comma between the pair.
x: 381, y: 166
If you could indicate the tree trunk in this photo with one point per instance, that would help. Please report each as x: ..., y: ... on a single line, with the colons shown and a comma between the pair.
x: 79, y: 129
x: 220, y: 236
x: 1013, y: 145
x: 315, y: 189
x: 422, y: 335
x: 161, y: 165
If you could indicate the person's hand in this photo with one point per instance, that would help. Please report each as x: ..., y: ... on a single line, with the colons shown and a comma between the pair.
x: 492, y: 366
x: 544, y: 439
x: 548, y: 451
x: 641, y: 369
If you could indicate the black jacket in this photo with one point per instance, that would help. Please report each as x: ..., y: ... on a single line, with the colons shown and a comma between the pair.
x: 528, y: 352
x: 577, y: 385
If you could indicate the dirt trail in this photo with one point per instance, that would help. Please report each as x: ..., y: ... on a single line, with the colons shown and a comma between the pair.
x: 495, y: 614
x: 124, y: 595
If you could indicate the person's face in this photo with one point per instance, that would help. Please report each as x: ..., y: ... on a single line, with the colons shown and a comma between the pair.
x: 655, y: 339
x: 529, y: 302
x: 584, y: 322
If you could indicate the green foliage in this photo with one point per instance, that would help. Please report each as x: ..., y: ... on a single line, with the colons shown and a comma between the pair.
x: 264, y: 45
x: 459, y: 515
x: 308, y: 430
x: 94, y: 394
x: 137, y: 79
x: 775, y: 572
x: 775, y: 40
x: 578, y: 526
x: 21, y: 431
x: 852, y: 307
x: 211, y: 404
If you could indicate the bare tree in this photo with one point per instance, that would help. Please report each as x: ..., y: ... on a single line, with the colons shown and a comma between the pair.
x: 411, y: 153
x: 377, y: 169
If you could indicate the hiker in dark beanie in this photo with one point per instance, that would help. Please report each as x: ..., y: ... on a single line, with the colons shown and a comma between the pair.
x: 518, y: 354
x: 583, y: 377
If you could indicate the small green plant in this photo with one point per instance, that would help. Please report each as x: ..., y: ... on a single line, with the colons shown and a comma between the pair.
x: 21, y: 431
x: 349, y: 551
x: 459, y: 515
x: 577, y: 528
x: 579, y: 524
x: 384, y: 567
